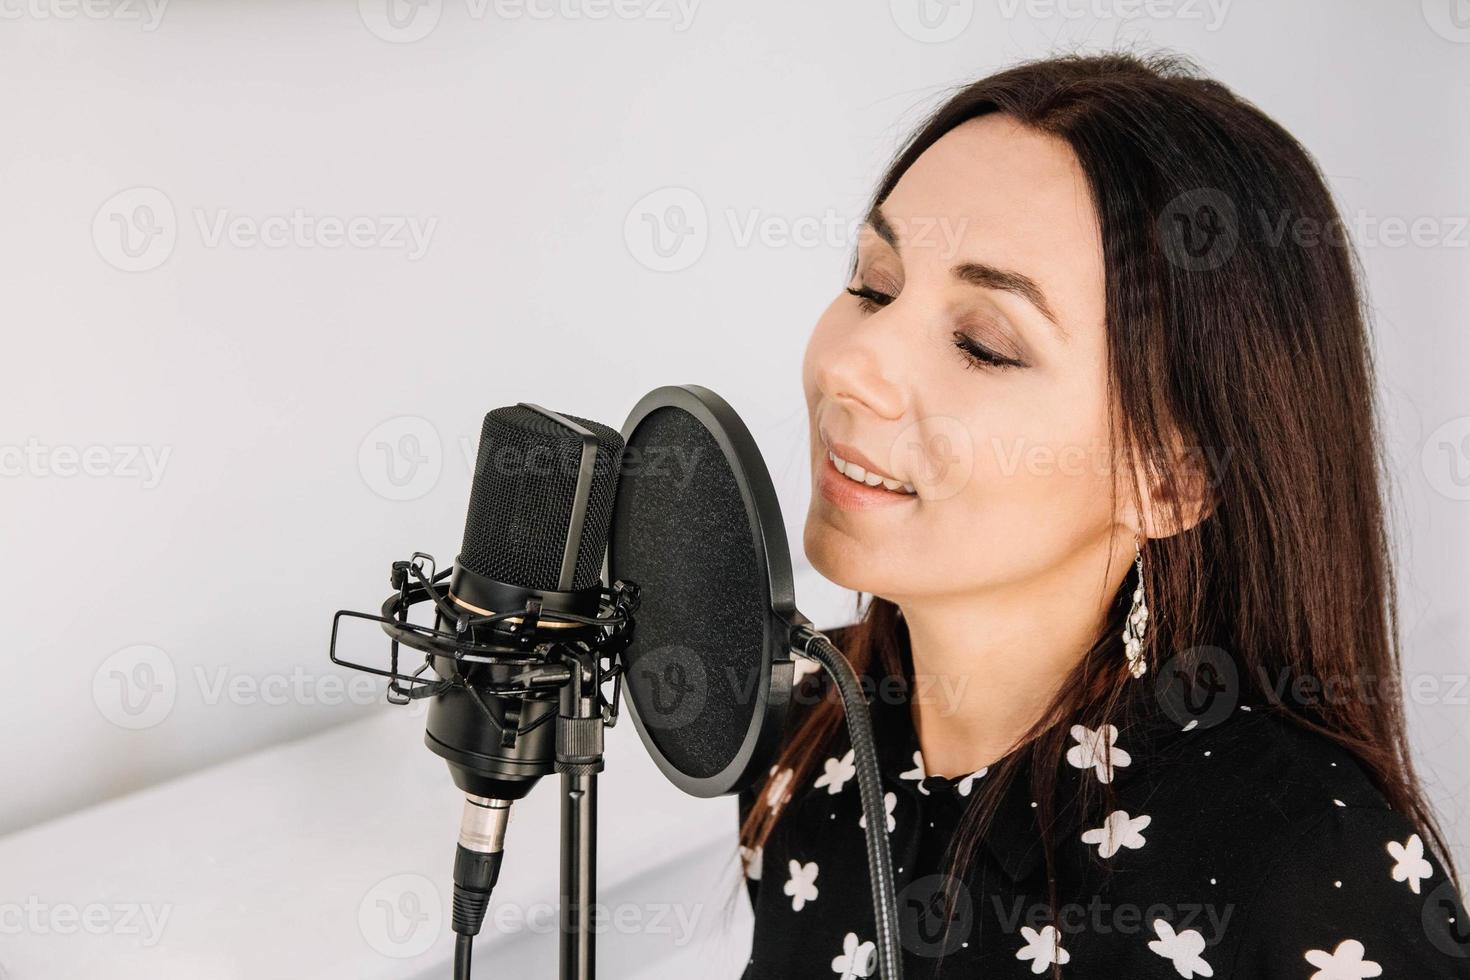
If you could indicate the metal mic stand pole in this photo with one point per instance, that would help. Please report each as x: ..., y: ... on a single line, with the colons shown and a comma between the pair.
x: 579, y: 731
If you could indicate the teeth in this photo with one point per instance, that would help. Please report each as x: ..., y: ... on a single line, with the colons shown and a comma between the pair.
x: 857, y: 474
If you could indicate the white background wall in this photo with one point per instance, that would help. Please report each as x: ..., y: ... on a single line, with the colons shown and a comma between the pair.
x: 527, y: 148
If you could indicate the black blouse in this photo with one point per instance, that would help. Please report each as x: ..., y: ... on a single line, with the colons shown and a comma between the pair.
x: 1241, y: 847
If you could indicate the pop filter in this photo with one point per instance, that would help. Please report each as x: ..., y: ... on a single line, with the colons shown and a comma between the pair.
x: 708, y: 672
x: 697, y: 525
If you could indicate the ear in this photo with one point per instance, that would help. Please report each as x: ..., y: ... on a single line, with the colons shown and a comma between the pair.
x: 1172, y: 495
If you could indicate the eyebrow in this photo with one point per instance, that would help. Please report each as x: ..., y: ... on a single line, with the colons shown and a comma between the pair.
x: 978, y: 273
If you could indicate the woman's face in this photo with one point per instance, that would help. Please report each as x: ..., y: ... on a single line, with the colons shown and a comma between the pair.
x: 971, y: 366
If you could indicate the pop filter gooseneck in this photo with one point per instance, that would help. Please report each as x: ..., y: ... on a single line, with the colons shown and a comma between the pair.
x: 708, y: 671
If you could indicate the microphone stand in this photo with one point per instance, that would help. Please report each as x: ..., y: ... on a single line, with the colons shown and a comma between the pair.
x: 579, y: 734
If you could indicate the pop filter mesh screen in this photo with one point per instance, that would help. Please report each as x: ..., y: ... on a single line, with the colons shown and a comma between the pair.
x: 522, y: 497
x: 682, y: 532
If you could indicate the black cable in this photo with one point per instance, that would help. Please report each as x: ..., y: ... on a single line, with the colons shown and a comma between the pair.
x: 475, y: 874
x: 870, y: 790
x: 464, y: 945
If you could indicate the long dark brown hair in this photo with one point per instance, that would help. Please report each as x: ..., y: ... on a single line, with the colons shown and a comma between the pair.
x: 1228, y: 332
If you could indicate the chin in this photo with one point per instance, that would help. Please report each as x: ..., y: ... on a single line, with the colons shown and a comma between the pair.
x: 842, y: 560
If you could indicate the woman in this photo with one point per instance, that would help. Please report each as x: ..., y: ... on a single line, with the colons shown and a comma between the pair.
x: 1092, y: 423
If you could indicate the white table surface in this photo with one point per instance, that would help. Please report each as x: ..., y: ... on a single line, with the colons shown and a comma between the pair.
x: 330, y: 857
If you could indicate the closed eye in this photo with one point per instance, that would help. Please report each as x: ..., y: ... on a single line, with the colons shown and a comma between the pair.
x: 869, y: 299
x: 975, y: 353
x: 978, y: 355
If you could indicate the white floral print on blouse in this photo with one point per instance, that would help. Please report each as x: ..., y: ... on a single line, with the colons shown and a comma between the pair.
x: 1343, y: 963
x: 889, y: 802
x: 802, y: 886
x: 836, y: 772
x: 1118, y: 831
x: 917, y: 773
x: 1409, y: 862
x: 1183, y: 949
x: 1042, y: 948
x: 858, y: 959
x: 968, y: 781
x: 1097, y: 750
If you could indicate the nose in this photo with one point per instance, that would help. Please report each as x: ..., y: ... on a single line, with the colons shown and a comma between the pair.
x: 858, y: 375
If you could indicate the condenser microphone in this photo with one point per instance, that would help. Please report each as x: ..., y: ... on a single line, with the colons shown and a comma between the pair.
x: 535, y: 532
x: 524, y: 635
x: 534, y: 540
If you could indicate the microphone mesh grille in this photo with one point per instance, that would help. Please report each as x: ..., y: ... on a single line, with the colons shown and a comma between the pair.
x: 524, y: 491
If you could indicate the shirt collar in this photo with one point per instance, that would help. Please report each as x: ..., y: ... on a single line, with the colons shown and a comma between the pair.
x: 1013, y: 837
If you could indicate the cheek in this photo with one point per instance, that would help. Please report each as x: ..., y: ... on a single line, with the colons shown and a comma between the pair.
x: 1059, y: 451
x: 1038, y: 488
x: 1043, y: 473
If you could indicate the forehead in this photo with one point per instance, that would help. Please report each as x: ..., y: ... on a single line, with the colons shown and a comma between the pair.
x: 1007, y: 195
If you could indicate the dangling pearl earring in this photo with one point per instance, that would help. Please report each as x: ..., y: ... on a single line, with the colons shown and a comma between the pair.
x: 1137, y: 622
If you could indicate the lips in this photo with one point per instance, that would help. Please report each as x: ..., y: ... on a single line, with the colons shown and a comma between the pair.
x: 858, y: 468
x: 859, y: 474
x: 846, y: 494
